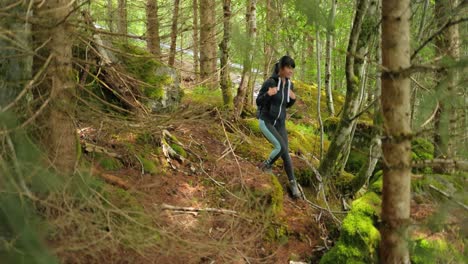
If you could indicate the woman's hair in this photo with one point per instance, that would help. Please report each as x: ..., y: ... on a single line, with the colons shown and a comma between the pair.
x: 285, y: 61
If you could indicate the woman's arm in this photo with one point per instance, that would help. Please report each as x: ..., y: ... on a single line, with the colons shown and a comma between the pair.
x: 263, y: 96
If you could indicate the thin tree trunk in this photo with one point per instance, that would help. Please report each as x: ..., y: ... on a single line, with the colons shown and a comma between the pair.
x: 196, y: 55
x: 110, y: 15
x: 375, y: 147
x: 208, y: 45
x: 337, y: 154
x: 328, y: 59
x: 16, y: 64
x: 56, y: 90
x: 152, y: 28
x: 175, y: 17
x: 445, y: 119
x: 251, y: 25
x: 269, y: 37
x: 319, y: 87
x: 224, y: 46
x: 122, y: 20
x: 397, y: 132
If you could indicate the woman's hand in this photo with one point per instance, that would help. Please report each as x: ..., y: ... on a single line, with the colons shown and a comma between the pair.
x: 292, y: 95
x: 272, y: 91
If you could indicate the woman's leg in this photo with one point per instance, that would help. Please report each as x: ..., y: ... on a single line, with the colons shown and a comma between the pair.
x: 274, y: 137
x: 287, y: 161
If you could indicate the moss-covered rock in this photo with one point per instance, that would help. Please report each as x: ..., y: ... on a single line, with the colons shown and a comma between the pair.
x: 344, y: 182
x: 160, y: 84
x: 359, y: 238
x: 434, y: 251
x: 253, y: 125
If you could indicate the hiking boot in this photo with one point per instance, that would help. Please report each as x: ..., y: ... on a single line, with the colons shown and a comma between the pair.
x: 265, y: 167
x: 294, y: 189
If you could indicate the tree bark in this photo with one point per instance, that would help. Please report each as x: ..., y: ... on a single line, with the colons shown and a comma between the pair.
x: 319, y: 87
x: 153, y: 41
x: 251, y: 25
x: 110, y: 15
x: 175, y: 17
x: 446, y: 45
x: 122, y: 19
x: 270, y: 36
x: 337, y: 154
x: 328, y: 58
x: 208, y: 43
x: 196, y: 55
x: 396, y: 145
x: 56, y: 90
x: 225, y: 82
x: 15, y: 64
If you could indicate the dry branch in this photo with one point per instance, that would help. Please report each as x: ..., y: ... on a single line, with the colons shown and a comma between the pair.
x: 194, y: 209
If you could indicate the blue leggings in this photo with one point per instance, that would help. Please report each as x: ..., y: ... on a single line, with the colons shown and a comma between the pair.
x: 278, y: 136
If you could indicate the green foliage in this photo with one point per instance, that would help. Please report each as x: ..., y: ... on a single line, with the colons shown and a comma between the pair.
x: 179, y: 150
x: 253, y: 125
x: 422, y: 149
x: 359, y: 237
x: 108, y: 163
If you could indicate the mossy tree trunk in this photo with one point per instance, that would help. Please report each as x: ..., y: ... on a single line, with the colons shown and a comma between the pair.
x: 364, y: 26
x: 175, y: 17
x: 208, y: 45
x: 447, y: 45
x: 56, y: 91
x: 225, y: 81
x: 251, y: 26
x: 110, y: 15
x: 153, y: 41
x: 396, y: 144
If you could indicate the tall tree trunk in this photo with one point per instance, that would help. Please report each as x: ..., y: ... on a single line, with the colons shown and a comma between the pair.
x: 247, y: 67
x: 375, y: 147
x: 208, y: 45
x: 152, y: 28
x: 319, y: 87
x: 196, y: 58
x: 15, y: 64
x: 445, y: 119
x: 110, y: 15
x: 337, y: 154
x: 224, y: 46
x: 397, y: 132
x: 328, y: 58
x: 175, y: 17
x: 122, y: 19
x: 56, y: 90
x: 270, y: 21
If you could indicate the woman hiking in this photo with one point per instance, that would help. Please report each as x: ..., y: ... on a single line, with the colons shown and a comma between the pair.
x: 277, y: 94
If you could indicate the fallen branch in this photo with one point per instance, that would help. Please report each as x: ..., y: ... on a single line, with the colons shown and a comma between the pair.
x: 88, y: 147
x: 114, y: 180
x: 194, y: 209
x: 448, y: 196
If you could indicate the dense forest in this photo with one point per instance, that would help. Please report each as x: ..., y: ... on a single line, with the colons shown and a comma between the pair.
x: 139, y: 131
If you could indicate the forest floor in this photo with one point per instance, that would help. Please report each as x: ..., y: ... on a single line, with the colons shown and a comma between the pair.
x: 265, y: 228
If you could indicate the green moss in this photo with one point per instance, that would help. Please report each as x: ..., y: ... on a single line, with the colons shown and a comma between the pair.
x: 343, y: 182
x: 148, y: 165
x: 108, y: 163
x: 359, y: 238
x: 179, y: 150
x: 276, y: 196
x: 277, y: 233
x: 377, y: 186
x: 253, y: 125
x: 434, y: 251
x: 356, y: 160
x: 143, y: 66
x: 422, y: 149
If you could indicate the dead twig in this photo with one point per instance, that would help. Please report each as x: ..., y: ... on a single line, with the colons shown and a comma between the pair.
x: 195, y: 209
